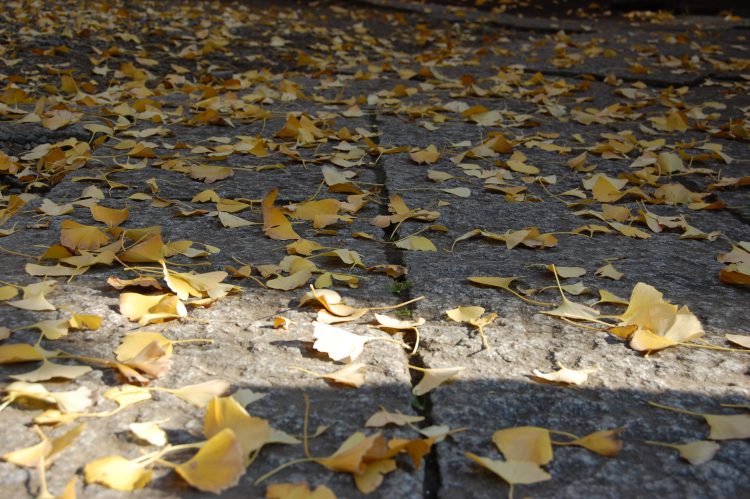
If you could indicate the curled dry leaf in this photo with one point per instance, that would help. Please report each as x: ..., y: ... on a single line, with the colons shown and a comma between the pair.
x: 742, y: 340
x: 564, y: 375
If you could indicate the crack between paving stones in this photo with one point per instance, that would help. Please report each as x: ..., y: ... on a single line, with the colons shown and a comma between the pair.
x: 432, y: 481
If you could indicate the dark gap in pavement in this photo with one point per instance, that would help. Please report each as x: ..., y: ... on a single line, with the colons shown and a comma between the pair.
x: 422, y: 405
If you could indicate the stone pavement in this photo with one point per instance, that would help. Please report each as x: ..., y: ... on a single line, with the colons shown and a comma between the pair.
x: 135, y: 104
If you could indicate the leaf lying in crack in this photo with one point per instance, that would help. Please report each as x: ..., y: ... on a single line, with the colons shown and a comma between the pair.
x: 416, y: 243
x: 433, y: 378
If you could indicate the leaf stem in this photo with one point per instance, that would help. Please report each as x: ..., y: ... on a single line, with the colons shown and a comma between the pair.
x: 564, y: 434
x: 675, y: 409
x: 283, y: 467
x: 305, y: 425
x: 660, y: 444
x: 398, y: 305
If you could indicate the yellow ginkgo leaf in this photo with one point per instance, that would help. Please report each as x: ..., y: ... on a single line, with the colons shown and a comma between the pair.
x: 742, y: 340
x: 19, y: 352
x: 513, y: 472
x: 135, y: 342
x: 233, y: 221
x: 81, y: 237
x: 127, y: 395
x: 428, y: 155
x: 149, y: 249
x: 462, y: 192
x: 110, y: 216
x: 8, y: 292
x: 416, y: 243
x: 68, y: 402
x: 218, y: 465
x: 564, y: 375
x: 373, y: 475
x: 49, y: 370
x: 339, y: 344
x: 151, y: 308
x: 34, y: 297
x: 572, y: 310
x: 85, y: 321
x: 384, y: 418
x: 275, y: 223
x: 201, y: 394
x: 210, y: 173
x: 298, y: 491
x: 728, y: 426
x: 117, y: 473
x: 30, y: 457
x: 225, y: 412
x: 696, y: 453
x: 567, y: 272
x: 388, y: 322
x: 349, y: 375
x: 465, y: 314
x: 52, y: 329
x: 150, y: 432
x: 605, y: 442
x: 524, y: 443
x: 349, y: 456
x: 292, y: 281
x: 609, y: 271
x: 433, y: 378
x: 660, y: 324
